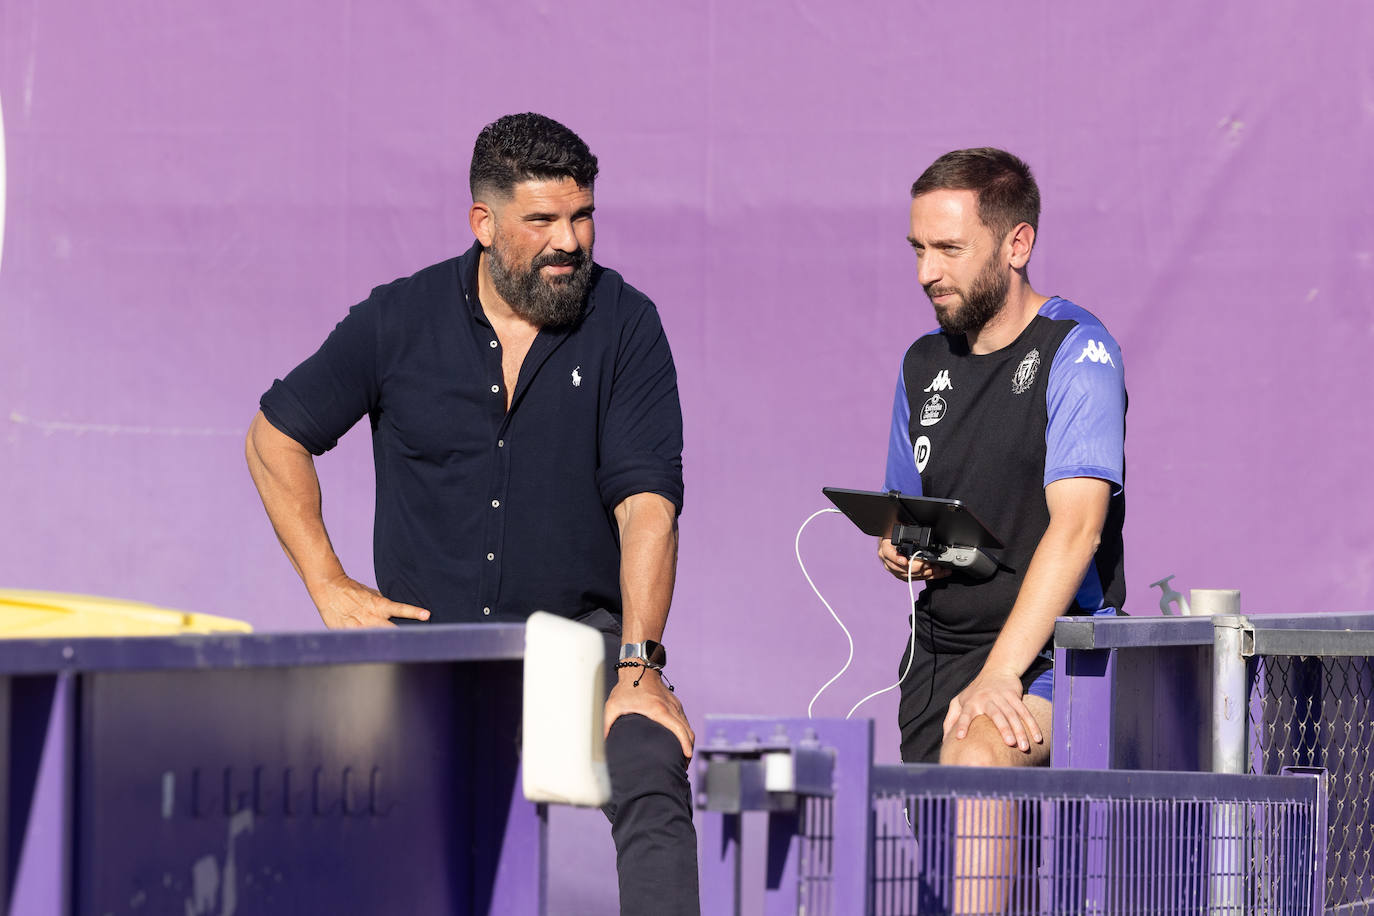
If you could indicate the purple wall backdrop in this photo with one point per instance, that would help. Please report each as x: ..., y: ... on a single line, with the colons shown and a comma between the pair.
x: 195, y: 193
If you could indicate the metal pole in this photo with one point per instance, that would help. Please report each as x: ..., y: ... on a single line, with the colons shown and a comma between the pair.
x: 1230, y: 719
x: 1230, y: 696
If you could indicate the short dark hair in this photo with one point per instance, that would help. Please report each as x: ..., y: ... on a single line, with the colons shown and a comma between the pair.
x: 527, y: 147
x: 1006, y: 189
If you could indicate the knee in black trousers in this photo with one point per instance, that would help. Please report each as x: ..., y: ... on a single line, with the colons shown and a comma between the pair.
x: 651, y: 819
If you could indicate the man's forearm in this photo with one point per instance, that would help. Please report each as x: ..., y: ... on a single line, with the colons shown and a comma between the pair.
x: 1078, y: 508
x: 1055, y: 573
x: 648, y: 564
x: 284, y: 473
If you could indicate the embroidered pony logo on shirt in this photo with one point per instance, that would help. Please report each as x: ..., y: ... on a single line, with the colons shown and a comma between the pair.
x: 576, y: 377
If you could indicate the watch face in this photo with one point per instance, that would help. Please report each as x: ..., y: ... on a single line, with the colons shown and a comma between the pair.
x: 652, y: 652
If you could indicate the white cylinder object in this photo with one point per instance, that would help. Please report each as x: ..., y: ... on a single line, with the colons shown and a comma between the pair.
x: 1204, y: 602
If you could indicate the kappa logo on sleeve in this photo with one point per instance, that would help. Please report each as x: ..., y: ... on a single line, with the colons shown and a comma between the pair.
x: 941, y: 382
x: 1097, y: 353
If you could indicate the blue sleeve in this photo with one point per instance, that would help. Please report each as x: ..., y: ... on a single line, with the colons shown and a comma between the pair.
x: 1086, y: 398
x: 641, y: 441
x: 324, y: 396
x: 901, y: 460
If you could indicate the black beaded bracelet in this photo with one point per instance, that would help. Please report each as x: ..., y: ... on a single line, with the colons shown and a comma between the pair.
x: 646, y: 667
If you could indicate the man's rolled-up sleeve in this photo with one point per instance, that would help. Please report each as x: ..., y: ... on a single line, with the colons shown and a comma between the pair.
x: 641, y: 439
x: 324, y: 396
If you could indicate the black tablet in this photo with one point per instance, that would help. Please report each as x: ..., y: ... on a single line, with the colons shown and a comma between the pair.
x: 951, y: 523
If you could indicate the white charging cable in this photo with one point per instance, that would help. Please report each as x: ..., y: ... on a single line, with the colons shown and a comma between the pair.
x: 911, y: 649
x: 911, y: 591
x: 797, y: 548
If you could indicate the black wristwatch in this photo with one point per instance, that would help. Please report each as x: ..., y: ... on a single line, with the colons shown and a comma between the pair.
x: 653, y: 653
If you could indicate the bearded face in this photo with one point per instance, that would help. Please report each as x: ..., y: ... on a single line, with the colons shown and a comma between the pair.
x: 545, y: 299
x: 962, y: 264
x: 538, y: 239
x: 973, y: 308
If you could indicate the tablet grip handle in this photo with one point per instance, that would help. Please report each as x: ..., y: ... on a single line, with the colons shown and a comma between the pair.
x: 908, y: 539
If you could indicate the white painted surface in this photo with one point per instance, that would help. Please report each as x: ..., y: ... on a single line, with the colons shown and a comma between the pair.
x: 564, y: 750
x: 1210, y: 601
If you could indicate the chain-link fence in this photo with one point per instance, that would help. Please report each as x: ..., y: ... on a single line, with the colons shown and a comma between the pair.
x: 1235, y: 694
x: 1318, y: 711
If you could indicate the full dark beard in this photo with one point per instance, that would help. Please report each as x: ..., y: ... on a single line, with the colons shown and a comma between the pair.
x: 984, y: 300
x: 553, y: 302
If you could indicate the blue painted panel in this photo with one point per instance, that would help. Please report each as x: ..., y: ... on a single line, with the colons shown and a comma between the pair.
x: 361, y: 788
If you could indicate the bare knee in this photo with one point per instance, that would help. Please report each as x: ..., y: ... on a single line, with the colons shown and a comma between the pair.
x: 983, y: 746
x: 979, y: 748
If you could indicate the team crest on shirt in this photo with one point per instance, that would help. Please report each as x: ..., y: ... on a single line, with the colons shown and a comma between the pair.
x: 933, y: 410
x: 1026, y: 372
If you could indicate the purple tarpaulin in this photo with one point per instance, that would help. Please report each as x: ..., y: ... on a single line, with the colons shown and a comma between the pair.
x: 195, y: 193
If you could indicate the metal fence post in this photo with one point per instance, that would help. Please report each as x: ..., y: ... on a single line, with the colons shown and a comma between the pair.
x: 1230, y: 695
x: 1230, y: 721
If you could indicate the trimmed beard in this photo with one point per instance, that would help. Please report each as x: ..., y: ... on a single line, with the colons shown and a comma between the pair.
x: 553, y: 302
x: 985, y: 298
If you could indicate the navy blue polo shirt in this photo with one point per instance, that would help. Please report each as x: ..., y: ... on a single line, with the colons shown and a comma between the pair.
x: 486, y: 514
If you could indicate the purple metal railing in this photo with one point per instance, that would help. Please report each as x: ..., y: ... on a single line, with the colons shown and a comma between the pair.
x: 267, y: 773
x: 1240, y: 693
x: 1021, y: 841
x: 1084, y: 842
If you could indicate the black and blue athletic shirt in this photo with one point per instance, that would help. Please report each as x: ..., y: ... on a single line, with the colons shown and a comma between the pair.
x: 995, y: 429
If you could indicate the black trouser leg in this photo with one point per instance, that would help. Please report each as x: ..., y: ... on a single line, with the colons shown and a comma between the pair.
x: 650, y: 812
x: 651, y: 819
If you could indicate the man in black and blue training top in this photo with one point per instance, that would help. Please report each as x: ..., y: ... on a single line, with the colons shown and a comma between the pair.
x: 528, y: 446
x: 1016, y: 405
